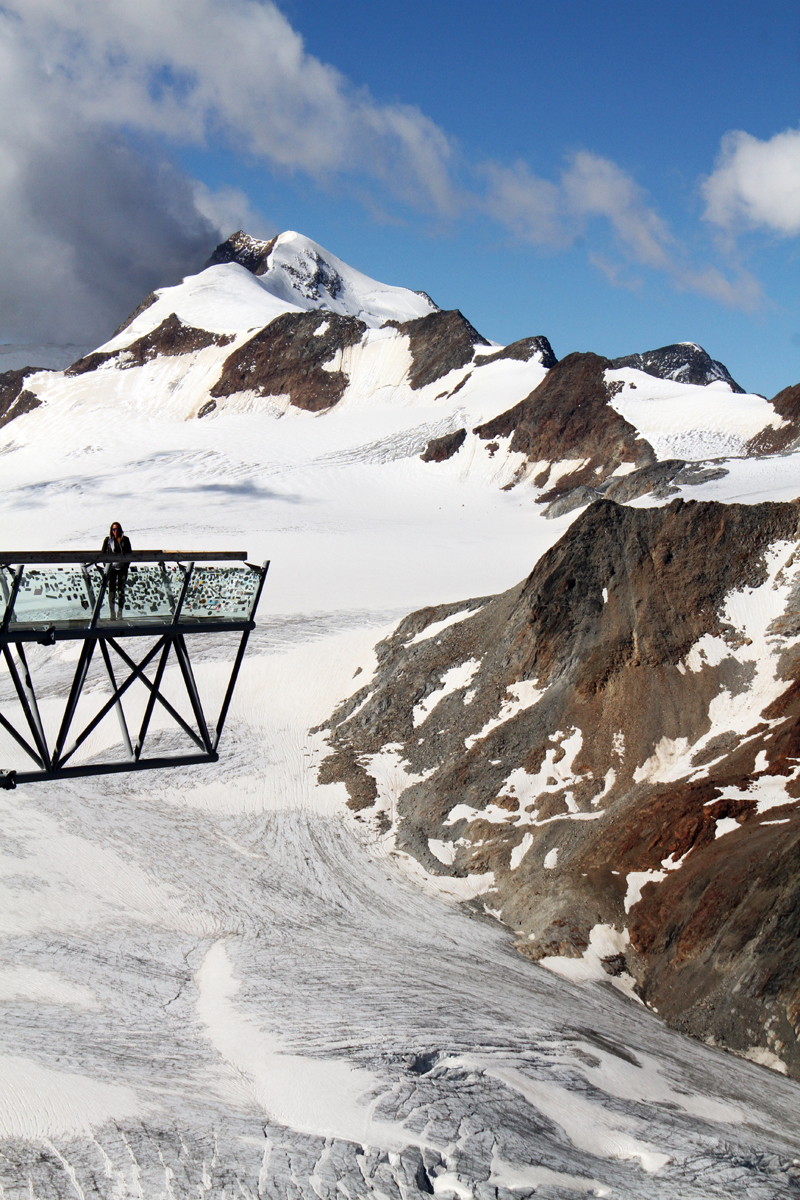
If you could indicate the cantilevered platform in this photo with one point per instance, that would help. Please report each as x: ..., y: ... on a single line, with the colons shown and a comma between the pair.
x: 169, y: 595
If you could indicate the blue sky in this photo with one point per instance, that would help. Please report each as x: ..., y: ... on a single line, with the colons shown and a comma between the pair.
x: 616, y: 176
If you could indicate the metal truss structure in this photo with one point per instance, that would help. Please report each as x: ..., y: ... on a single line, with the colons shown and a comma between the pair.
x: 106, y: 603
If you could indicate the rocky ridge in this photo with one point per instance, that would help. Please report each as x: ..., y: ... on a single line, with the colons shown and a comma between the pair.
x: 169, y: 339
x: 568, y: 418
x: 613, y: 748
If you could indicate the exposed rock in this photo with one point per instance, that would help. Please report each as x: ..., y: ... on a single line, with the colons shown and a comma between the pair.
x: 425, y: 296
x: 661, y: 480
x: 288, y: 357
x: 684, y: 362
x: 439, y: 343
x: 579, y: 497
x: 15, y: 400
x: 169, y: 338
x: 568, y: 416
x: 656, y: 477
x: 570, y: 684
x: 248, y: 251
x: 441, y: 448
x: 775, y: 441
x: 523, y: 350
x: 313, y: 276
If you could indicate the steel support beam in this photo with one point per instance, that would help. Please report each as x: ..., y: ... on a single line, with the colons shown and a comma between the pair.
x: 92, y: 631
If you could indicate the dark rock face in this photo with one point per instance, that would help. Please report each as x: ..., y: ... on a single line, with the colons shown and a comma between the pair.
x: 248, y: 251
x: 596, y: 639
x: 441, y: 448
x: 774, y: 441
x: 685, y: 362
x: 439, y: 343
x: 288, y: 356
x: 14, y: 399
x: 568, y: 416
x: 170, y: 338
x: 523, y: 350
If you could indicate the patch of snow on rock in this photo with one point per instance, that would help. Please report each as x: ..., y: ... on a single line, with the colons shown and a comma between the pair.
x: 452, y: 681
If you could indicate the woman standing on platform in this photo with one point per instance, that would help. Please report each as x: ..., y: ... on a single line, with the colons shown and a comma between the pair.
x: 117, y: 544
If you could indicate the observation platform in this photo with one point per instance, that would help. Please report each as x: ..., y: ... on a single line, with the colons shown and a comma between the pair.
x: 168, y: 596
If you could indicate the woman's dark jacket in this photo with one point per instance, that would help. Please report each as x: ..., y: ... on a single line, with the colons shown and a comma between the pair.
x: 124, y: 547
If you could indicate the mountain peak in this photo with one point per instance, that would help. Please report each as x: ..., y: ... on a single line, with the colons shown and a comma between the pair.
x: 685, y: 362
x: 303, y: 274
x: 242, y: 248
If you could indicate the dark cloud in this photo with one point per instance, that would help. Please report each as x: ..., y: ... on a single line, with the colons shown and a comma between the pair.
x: 95, y: 227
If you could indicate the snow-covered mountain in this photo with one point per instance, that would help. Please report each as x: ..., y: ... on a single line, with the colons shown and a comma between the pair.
x: 281, y: 326
x: 315, y: 968
x: 685, y: 362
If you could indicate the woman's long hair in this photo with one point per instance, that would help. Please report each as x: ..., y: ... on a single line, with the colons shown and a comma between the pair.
x: 111, y: 530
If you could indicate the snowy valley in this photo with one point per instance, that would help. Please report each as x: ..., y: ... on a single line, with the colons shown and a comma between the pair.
x: 493, y: 892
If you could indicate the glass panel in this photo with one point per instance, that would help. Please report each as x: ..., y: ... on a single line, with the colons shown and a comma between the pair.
x: 152, y: 592
x: 48, y: 594
x: 220, y: 592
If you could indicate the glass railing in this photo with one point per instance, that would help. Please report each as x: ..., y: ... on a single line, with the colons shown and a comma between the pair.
x: 47, y: 594
x: 153, y: 593
x: 220, y: 592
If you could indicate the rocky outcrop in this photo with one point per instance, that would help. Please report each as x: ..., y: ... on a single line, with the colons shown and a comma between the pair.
x: 169, y: 338
x: 245, y: 250
x: 441, y: 448
x: 289, y: 357
x: 661, y: 480
x: 568, y: 417
x: 537, y: 730
x: 684, y: 362
x: 15, y: 400
x: 787, y: 437
x: 439, y: 343
x: 523, y: 351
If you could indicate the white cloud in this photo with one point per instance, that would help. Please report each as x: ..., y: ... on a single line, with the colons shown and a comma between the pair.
x: 558, y: 214
x: 531, y: 207
x: 756, y: 183
x: 229, y: 209
x: 92, y: 217
x: 595, y: 187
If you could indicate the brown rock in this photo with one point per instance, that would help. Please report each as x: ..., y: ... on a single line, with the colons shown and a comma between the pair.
x: 523, y: 351
x: 439, y: 343
x: 441, y: 448
x: 714, y: 943
x: 14, y: 398
x: 774, y: 441
x: 249, y: 252
x: 288, y: 357
x: 568, y: 416
x: 168, y: 339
